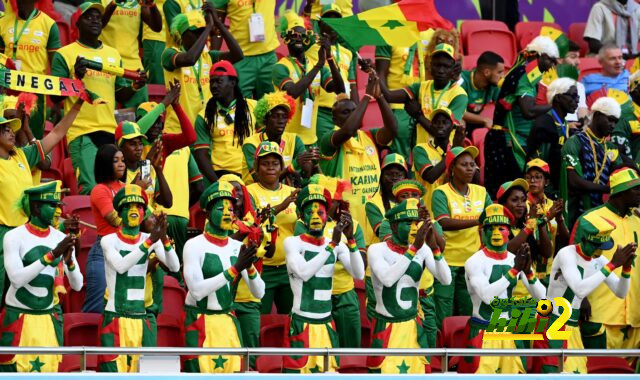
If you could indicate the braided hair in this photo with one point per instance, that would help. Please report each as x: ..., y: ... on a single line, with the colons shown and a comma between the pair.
x: 242, y: 121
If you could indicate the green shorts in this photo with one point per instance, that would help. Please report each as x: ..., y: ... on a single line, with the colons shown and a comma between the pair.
x: 277, y: 289
x: 151, y: 61
x: 346, y: 315
x: 178, y: 232
x: 255, y: 74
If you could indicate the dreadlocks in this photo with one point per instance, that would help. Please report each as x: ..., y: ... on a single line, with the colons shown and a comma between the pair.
x: 242, y: 120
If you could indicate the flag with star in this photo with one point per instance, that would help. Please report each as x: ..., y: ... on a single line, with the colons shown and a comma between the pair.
x: 397, y: 24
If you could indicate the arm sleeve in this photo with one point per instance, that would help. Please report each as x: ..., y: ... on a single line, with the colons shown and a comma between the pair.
x: 525, y: 88
x: 413, y: 90
x: 167, y: 59
x: 220, y: 4
x: 75, y: 276
x: 326, y: 149
x: 358, y: 235
x: 571, y: 154
x: 438, y: 268
x: 458, y: 106
x: 534, y: 286
x: 256, y: 284
x: 387, y: 274
x: 177, y: 141
x: 193, y: 277
x: 59, y: 66
x: 53, y: 43
x: 203, y: 136
x: 593, y: 29
x: 383, y: 52
x: 582, y: 287
x: 102, y: 200
x: 374, y: 216
x: 168, y: 258
x: 248, y: 151
x: 486, y: 290
x: 352, y: 261
x: 325, y: 77
x: 487, y: 200
x: 421, y: 161
x: 147, y: 120
x: 19, y: 275
x: 193, y: 170
x: 34, y: 153
x: 298, y: 149
x: 120, y: 263
x: 439, y: 204
x: 351, y: 74
x: 280, y: 75
x: 618, y: 285
x: 297, y: 265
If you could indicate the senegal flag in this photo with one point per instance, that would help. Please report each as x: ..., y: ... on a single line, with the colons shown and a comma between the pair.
x: 397, y: 24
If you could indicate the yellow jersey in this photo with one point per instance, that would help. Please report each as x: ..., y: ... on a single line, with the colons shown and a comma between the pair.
x: 153, y: 187
x: 150, y: 35
x: 239, y: 12
x: 425, y: 156
x: 92, y: 118
x: 346, y: 6
x: 402, y: 69
x: 285, y: 220
x: 122, y: 32
x: 343, y: 58
x: 180, y: 170
x: 225, y: 152
x: 447, y: 202
x: 290, y: 145
x: 36, y: 39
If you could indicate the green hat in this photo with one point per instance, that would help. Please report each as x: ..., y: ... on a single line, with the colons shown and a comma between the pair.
x: 623, y: 179
x: 220, y: 189
x: 406, y: 210
x: 518, y: 182
x: 456, y: 151
x: 446, y: 49
x: 496, y: 214
x: 266, y: 148
x: 558, y: 37
x: 127, y: 130
x: 443, y: 110
x: 50, y: 192
x: 129, y: 194
x: 407, y: 185
x: 395, y: 159
x: 192, y: 20
x: 145, y: 108
x: 14, y: 124
x: 312, y: 193
x: 593, y: 227
x: 84, y: 7
x: 330, y: 8
x: 290, y: 20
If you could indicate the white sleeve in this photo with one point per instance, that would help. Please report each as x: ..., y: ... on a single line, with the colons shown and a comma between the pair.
x: 75, y: 277
x: 352, y: 261
x: 193, y: 277
x: 120, y: 263
x: 594, y: 27
x: 297, y: 265
x: 256, y: 285
x: 438, y: 268
x: 170, y: 258
x: 618, y: 285
x: 19, y: 275
x: 486, y: 290
x: 387, y: 274
x: 536, y: 290
x: 581, y: 287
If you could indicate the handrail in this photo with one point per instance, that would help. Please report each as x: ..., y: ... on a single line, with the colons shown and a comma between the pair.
x: 247, y: 352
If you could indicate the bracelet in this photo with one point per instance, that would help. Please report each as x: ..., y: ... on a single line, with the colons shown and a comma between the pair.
x: 167, y: 244
x: 253, y: 272
x: 331, y: 246
x: 47, y: 258
x: 626, y: 272
x: 437, y: 254
x: 411, y: 252
x: 512, y: 274
x: 71, y: 267
x: 607, y: 269
x: 231, y: 273
x: 144, y: 247
x: 353, y: 246
x: 531, y: 277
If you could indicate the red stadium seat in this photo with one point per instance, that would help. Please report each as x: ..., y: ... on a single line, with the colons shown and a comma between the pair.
x: 197, y: 217
x: 353, y: 364
x: 477, y: 137
x: 72, y: 301
x: 82, y: 257
x: 527, y: 31
x: 469, y: 62
x: 453, y: 335
x: 69, y: 175
x: 501, y: 42
x: 469, y: 26
x: 273, y: 330
x: 170, y: 332
x: 269, y: 364
x: 576, y: 34
x: 81, y: 205
x: 603, y: 364
x: 156, y: 92
x: 172, y: 298
x: 372, y: 117
x: 80, y: 329
x: 65, y: 32
x: 589, y: 65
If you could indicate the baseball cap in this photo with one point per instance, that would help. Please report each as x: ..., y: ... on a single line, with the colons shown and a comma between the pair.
x: 127, y: 130
x: 443, y: 110
x: 14, y: 124
x: 623, y: 179
x: 394, y: 159
x: 596, y: 229
x: 330, y: 8
x: 223, y: 68
x: 537, y: 163
x: 518, y: 182
x: 496, y: 214
x: 456, y: 151
x: 84, y: 7
x: 445, y: 49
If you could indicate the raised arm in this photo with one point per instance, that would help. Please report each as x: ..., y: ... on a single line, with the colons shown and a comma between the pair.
x: 191, y: 56
x: 151, y: 15
x: 76, y: 280
x: 235, y: 53
x: 60, y: 130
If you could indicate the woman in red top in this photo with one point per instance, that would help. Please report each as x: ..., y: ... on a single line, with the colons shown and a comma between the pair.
x: 109, y: 166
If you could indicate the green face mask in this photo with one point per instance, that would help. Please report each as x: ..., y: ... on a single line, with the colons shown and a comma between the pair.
x: 495, y: 238
x: 49, y: 215
x: 403, y: 231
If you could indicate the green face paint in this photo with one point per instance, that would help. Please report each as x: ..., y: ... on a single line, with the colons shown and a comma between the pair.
x: 48, y: 216
x: 590, y: 249
x: 315, y: 217
x: 132, y: 215
x: 403, y: 231
x: 221, y: 217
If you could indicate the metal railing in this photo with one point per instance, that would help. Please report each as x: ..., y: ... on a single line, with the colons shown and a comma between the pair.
x: 247, y: 353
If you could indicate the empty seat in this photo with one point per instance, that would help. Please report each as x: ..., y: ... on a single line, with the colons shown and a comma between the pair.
x: 170, y: 332
x: 172, y: 298
x: 602, y: 364
x: 453, y: 335
x: 353, y: 364
x: 576, y: 34
x: 499, y: 41
x: 273, y: 330
x: 527, y: 31
x: 589, y: 65
x: 73, y: 301
x: 80, y: 329
x: 469, y: 26
x: 469, y: 61
x: 156, y: 92
x: 269, y: 364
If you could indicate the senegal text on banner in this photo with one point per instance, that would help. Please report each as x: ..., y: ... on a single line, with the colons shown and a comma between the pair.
x: 44, y: 84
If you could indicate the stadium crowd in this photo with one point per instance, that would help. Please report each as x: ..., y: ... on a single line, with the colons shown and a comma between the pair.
x: 369, y: 202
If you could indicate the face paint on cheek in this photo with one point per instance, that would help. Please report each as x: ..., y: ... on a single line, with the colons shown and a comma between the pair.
x: 48, y: 214
x: 316, y: 217
x: 227, y: 215
x: 496, y: 238
x: 56, y: 217
x: 403, y: 232
x: 134, y: 215
x: 413, y: 232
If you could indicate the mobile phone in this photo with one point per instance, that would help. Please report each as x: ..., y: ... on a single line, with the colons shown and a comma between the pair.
x: 145, y: 169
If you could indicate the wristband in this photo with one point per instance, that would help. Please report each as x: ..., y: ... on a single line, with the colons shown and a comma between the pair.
x: 167, y: 245
x: 512, y: 275
x: 626, y: 272
x: 71, y: 267
x: 144, y: 247
x: 231, y: 273
x: 531, y: 277
x: 351, y: 243
x: 331, y: 246
x: 47, y: 259
x: 253, y: 272
x: 607, y: 269
x: 411, y: 252
x: 437, y: 254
